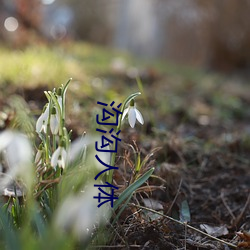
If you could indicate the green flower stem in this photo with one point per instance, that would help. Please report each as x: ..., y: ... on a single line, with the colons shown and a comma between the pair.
x: 65, y: 87
x: 54, y: 142
x: 110, y: 173
x: 66, y: 137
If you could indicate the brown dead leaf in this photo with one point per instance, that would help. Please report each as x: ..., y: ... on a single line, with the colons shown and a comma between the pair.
x: 245, y: 236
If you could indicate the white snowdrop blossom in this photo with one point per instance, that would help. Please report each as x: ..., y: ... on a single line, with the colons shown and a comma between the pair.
x: 133, y: 114
x: 17, y: 152
x: 42, y: 122
x: 59, y: 157
x: 87, y: 144
x: 54, y: 121
x: 79, y: 214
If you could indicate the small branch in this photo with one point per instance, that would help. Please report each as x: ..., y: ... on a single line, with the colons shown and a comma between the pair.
x: 227, y: 207
x: 173, y: 202
x: 184, y: 224
x: 239, y: 217
x: 115, y: 247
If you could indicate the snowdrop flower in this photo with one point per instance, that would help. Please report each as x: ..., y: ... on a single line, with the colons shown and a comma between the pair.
x: 59, y: 157
x: 83, y: 149
x: 78, y: 214
x: 42, y: 122
x: 54, y: 121
x: 17, y: 152
x: 133, y: 114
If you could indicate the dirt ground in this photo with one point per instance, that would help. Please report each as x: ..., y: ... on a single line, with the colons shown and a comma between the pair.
x: 201, y: 140
x: 202, y: 171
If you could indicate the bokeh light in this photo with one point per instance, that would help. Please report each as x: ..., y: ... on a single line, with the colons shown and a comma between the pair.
x: 11, y: 24
x: 48, y: 2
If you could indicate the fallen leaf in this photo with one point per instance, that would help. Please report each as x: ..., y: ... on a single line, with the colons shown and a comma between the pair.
x: 215, y: 231
x: 245, y: 236
x: 152, y: 204
x: 155, y: 205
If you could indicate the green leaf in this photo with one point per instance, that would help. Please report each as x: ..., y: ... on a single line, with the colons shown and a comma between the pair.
x: 184, y: 212
x: 65, y: 87
x: 10, y: 236
x: 39, y: 222
x: 122, y: 209
x: 128, y: 191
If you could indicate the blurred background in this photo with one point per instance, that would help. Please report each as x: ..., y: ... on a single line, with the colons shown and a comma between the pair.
x: 190, y: 59
x: 211, y: 34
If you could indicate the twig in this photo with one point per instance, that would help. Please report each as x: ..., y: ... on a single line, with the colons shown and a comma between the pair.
x: 173, y: 202
x: 227, y: 207
x: 117, y: 246
x: 183, y: 224
x: 185, y: 242
x: 239, y: 217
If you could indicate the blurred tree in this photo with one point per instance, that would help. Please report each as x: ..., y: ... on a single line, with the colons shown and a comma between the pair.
x: 26, y: 16
x: 93, y: 20
x: 211, y: 33
x: 229, y: 34
x: 29, y: 14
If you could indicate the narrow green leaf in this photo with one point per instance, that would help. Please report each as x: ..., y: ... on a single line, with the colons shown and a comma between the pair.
x: 138, y: 163
x: 128, y: 191
x: 11, y: 237
x: 65, y: 87
x: 39, y: 222
x: 185, y: 212
x: 122, y: 209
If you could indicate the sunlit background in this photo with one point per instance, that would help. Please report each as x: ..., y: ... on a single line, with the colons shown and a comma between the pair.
x: 212, y: 34
x: 190, y: 61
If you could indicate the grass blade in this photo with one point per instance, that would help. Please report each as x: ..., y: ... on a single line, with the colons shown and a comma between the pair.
x: 128, y: 191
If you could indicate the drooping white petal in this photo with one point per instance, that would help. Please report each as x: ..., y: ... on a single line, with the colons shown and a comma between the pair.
x: 46, y: 112
x: 59, y: 157
x: 139, y: 116
x: 64, y: 154
x: 19, y: 151
x: 79, y: 214
x: 55, y: 156
x: 133, y: 114
x: 44, y: 127
x: 62, y: 161
x: 18, y: 156
x: 39, y: 123
x: 124, y: 113
x: 5, y: 139
x: 83, y: 149
x: 54, y: 124
x: 132, y: 117
x: 78, y: 147
x: 42, y: 121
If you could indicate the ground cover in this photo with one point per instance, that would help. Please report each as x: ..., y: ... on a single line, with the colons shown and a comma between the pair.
x: 196, y: 125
